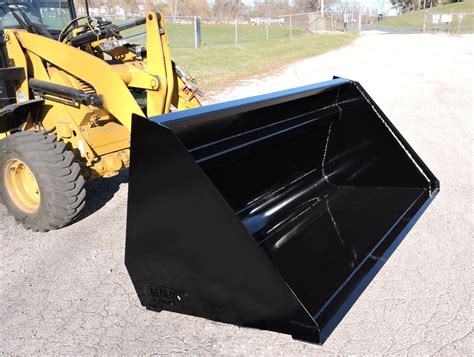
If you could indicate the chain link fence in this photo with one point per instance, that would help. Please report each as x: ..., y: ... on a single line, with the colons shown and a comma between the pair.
x: 451, y: 23
x: 329, y: 21
x: 195, y: 32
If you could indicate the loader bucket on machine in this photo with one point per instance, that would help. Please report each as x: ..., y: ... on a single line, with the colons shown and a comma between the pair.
x: 272, y: 212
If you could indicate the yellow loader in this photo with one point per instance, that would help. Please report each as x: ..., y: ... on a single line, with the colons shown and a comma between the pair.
x: 272, y: 212
x: 68, y: 98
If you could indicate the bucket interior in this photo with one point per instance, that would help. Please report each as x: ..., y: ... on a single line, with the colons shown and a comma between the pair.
x: 318, y: 182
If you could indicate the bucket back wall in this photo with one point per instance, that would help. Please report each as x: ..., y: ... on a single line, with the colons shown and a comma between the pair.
x: 272, y: 212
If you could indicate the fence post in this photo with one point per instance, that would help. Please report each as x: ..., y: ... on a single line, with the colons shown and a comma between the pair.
x: 236, y: 32
x: 424, y: 22
x: 291, y: 28
x: 449, y: 23
x: 266, y: 27
x: 344, y: 19
x: 360, y: 19
x: 197, y: 32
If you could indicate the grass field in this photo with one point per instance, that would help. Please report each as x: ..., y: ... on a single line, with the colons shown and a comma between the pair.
x: 415, y: 19
x: 218, y: 67
x: 221, y: 62
x: 182, y: 35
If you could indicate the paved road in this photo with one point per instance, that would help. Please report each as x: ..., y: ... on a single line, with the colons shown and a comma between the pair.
x: 390, y: 29
x: 68, y: 291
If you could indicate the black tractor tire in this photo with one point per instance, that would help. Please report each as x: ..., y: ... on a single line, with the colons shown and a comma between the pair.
x: 61, y: 186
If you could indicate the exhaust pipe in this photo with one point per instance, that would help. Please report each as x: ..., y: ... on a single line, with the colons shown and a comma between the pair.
x: 273, y: 212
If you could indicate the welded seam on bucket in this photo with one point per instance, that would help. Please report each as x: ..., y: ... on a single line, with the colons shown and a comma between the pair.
x: 368, y: 256
x: 323, y: 164
x: 276, y: 123
x: 396, y: 137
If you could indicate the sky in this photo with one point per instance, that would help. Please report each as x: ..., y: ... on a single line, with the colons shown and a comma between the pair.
x: 246, y: 2
x: 366, y: 2
x: 382, y: 5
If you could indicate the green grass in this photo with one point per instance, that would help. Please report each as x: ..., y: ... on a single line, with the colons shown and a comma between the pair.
x: 221, y: 62
x: 182, y: 35
x: 415, y: 19
x: 218, y: 67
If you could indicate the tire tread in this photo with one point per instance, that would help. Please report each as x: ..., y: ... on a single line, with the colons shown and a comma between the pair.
x: 59, y: 177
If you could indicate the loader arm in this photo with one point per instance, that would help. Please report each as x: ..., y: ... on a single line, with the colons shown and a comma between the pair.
x: 158, y: 64
x: 121, y: 79
x: 112, y: 81
x: 79, y: 86
x: 114, y: 94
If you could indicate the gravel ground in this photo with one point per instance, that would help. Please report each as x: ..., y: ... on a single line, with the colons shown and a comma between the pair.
x: 67, y: 292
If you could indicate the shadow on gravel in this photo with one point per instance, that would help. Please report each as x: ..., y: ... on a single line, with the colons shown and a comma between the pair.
x: 100, y: 191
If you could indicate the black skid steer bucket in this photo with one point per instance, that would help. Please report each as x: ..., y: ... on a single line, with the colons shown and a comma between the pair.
x: 273, y: 212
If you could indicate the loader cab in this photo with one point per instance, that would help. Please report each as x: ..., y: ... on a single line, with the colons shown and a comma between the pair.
x: 49, y: 15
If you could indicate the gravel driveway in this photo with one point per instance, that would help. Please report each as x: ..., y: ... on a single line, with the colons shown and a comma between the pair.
x: 67, y: 292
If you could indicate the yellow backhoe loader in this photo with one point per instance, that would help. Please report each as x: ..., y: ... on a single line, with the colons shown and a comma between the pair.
x: 69, y: 93
x: 272, y: 212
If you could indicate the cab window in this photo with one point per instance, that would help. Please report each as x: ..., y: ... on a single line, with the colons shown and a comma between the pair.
x: 53, y: 15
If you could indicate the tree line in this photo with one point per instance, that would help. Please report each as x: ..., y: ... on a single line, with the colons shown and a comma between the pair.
x: 219, y: 8
x: 413, y: 5
x: 236, y: 8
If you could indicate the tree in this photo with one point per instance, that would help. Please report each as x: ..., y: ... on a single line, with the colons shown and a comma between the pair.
x: 308, y: 5
x: 410, y: 5
x: 194, y: 8
x: 271, y: 9
x: 229, y: 8
x: 111, y: 6
x: 173, y: 7
x: 403, y: 5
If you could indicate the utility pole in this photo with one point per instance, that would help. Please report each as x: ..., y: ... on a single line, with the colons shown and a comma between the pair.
x: 360, y: 19
x: 291, y: 28
x: 197, y: 32
x: 236, y: 32
x: 266, y: 26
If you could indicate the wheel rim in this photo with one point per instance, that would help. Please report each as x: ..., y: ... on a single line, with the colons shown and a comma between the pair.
x: 22, y: 186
